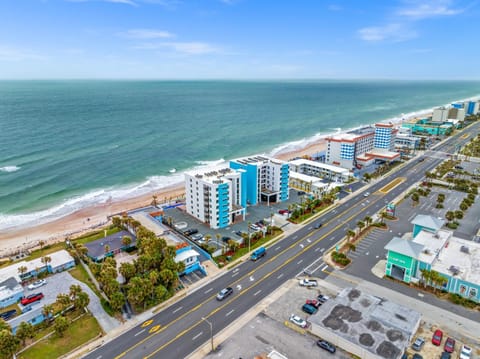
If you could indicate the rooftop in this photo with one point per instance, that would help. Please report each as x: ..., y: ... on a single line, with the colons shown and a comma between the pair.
x: 9, y: 287
x: 96, y: 249
x: 428, y: 221
x: 255, y: 160
x: 215, y: 175
x: 460, y: 258
x: 432, y: 244
x: 404, y: 246
x: 381, y: 327
x: 336, y: 169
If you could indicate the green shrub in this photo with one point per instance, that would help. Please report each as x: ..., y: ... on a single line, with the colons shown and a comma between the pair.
x: 439, y: 205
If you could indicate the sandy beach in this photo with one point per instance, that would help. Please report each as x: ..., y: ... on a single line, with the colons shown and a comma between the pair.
x: 87, y: 219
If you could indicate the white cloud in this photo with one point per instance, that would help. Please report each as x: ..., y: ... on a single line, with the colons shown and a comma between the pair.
x: 422, y: 9
x: 8, y: 53
x: 392, y: 32
x: 190, y: 48
x: 147, y: 34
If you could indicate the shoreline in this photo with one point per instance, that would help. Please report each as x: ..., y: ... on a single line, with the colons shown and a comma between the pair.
x: 90, y: 218
x: 13, y: 240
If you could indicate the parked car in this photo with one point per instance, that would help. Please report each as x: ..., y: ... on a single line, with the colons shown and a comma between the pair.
x: 224, y: 293
x: 295, y: 319
x: 284, y: 211
x: 446, y: 355
x: 318, y: 225
x: 326, y: 345
x: 8, y: 314
x: 225, y: 239
x: 458, y: 167
x: 254, y: 227
x: 37, y: 284
x: 31, y: 298
x: 309, y: 309
x: 405, y: 356
x: 240, y: 233
x: 322, y: 298
x: 197, y: 236
x: 417, y: 356
x: 466, y: 352
x: 300, y: 193
x: 437, y: 337
x: 190, y: 231
x: 308, y: 282
x: 313, y: 302
x: 449, y: 345
x: 418, y: 344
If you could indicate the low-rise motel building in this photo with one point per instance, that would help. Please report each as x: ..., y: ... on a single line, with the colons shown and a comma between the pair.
x: 429, y: 247
x: 220, y: 196
x: 318, y: 169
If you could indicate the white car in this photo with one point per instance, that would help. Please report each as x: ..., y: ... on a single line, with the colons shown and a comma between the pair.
x: 308, y: 282
x: 37, y: 284
x: 295, y: 319
x: 366, y: 194
x: 466, y: 352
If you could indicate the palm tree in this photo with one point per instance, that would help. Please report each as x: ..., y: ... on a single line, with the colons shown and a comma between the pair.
x: 350, y: 234
x: 154, y: 200
x: 360, y: 225
x: 47, y: 310
x: 41, y: 244
x: 126, y: 241
x: 45, y: 260
x: 22, y: 270
x: 207, y: 238
x: 75, y: 290
x: 368, y: 220
x: 449, y: 216
x: 106, y: 249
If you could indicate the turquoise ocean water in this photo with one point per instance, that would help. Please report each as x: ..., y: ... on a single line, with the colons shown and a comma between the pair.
x: 67, y: 144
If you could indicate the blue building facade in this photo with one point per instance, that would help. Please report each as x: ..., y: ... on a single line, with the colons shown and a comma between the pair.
x: 190, y: 258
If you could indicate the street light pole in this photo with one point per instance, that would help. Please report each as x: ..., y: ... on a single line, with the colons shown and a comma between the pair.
x: 211, y: 331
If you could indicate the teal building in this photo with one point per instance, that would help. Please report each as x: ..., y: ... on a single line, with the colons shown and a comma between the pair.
x: 427, y: 126
x: 429, y: 247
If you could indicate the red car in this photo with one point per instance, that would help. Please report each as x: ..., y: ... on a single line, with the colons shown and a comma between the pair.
x: 437, y: 337
x: 313, y: 302
x: 31, y: 298
x: 449, y: 345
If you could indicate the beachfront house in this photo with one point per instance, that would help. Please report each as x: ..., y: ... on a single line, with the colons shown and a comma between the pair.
x: 10, y: 292
x: 34, y: 316
x: 109, y: 246
x: 429, y: 248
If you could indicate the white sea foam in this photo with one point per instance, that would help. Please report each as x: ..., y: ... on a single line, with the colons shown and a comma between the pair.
x: 9, y: 168
x: 155, y: 183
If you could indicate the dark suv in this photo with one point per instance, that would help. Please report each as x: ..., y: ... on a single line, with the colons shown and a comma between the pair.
x: 326, y: 345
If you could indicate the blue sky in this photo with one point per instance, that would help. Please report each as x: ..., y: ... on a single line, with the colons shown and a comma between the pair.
x: 240, y: 39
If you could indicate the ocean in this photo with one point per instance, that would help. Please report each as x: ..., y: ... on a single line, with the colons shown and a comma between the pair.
x: 65, y: 145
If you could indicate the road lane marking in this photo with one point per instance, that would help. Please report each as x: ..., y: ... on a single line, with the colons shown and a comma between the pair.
x: 295, y: 237
x: 323, y: 269
x: 176, y: 310
x: 238, y: 280
x: 317, y: 249
x: 230, y: 312
x: 154, y: 329
x: 208, y: 290
x: 234, y: 274
x: 257, y: 292
x: 147, y: 323
x: 421, y: 295
x: 300, y: 261
x: 277, y: 248
x: 309, y: 228
x: 321, y: 250
x: 196, y: 336
x: 280, y: 276
x: 140, y: 332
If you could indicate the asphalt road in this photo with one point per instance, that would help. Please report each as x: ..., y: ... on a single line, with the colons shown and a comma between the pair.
x: 179, y: 330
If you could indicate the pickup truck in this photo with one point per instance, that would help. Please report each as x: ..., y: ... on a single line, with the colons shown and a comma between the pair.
x: 308, y: 282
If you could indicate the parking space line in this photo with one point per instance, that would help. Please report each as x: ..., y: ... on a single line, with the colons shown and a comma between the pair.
x: 323, y: 269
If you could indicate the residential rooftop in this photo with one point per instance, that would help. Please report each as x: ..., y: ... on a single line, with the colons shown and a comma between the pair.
x: 256, y: 160
x: 215, y: 175
x: 331, y: 168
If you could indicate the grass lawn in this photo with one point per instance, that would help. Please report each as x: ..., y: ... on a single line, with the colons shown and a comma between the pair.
x: 78, y: 272
x: 78, y: 333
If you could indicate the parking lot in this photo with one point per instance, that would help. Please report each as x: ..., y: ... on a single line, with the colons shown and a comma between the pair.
x: 267, y: 331
x: 254, y: 214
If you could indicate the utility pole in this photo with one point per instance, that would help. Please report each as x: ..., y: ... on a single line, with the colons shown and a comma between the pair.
x: 211, y: 332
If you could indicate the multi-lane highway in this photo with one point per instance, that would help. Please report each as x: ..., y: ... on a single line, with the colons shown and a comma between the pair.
x: 179, y: 330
